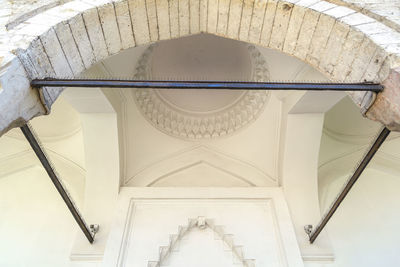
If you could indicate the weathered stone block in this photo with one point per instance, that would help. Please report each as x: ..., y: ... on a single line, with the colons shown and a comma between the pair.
x: 81, y: 37
x: 223, y: 13
x: 349, y: 51
x: 361, y: 61
x: 295, y: 23
x: 139, y: 21
x: 110, y: 28
x: 322, y: 6
x: 184, y: 22
x: 386, y: 107
x: 257, y: 21
x: 203, y: 15
x: 281, y: 23
x: 386, y: 38
x: 15, y: 89
x: 152, y: 19
x: 194, y: 16
x: 356, y: 19
x: 377, y: 60
x: 333, y: 47
x: 212, y: 17
x: 306, y: 33
x: 95, y: 33
x: 373, y: 28
x: 319, y: 39
x: 163, y: 19
x: 307, y: 3
x: 39, y: 59
x: 339, y: 12
x: 70, y: 49
x: 124, y: 24
x: 27, y: 63
x: 235, y: 14
x: 174, y: 17
x: 55, y: 54
x: 268, y: 23
x: 247, y: 12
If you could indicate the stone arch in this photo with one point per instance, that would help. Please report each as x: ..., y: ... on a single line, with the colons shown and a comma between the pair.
x: 341, y: 43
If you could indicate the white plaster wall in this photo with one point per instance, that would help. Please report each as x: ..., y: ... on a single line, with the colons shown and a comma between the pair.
x: 255, y: 219
x: 364, y: 230
x: 36, y: 228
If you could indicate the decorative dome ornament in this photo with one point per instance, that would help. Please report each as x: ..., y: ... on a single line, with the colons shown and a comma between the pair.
x: 204, y: 120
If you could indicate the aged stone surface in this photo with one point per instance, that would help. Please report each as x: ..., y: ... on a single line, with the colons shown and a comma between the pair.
x: 257, y: 21
x: 56, y: 55
x: 247, y: 11
x: 212, y: 16
x: 69, y: 47
x: 281, y: 22
x: 235, y: 14
x: 203, y: 15
x: 163, y: 19
x: 184, y: 21
x: 174, y: 18
x: 124, y: 24
x: 194, y: 16
x: 342, y: 41
x: 268, y: 23
x: 139, y: 21
x: 152, y: 19
x: 347, y: 56
x: 85, y: 46
x: 18, y: 102
x: 295, y: 23
x: 110, y: 28
x: 386, y: 107
x: 95, y: 32
x: 333, y: 47
x: 223, y: 13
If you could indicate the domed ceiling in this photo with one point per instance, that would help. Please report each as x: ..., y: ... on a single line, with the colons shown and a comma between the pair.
x: 201, y: 113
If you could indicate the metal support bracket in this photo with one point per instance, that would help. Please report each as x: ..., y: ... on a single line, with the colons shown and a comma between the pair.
x: 44, y: 160
x: 215, y: 85
x: 308, y: 229
x: 353, y: 179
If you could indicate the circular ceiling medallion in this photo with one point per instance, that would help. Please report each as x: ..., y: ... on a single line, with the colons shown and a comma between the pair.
x: 201, y: 113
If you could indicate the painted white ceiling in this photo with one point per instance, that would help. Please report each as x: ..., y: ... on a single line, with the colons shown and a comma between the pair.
x: 254, y: 149
x: 151, y: 157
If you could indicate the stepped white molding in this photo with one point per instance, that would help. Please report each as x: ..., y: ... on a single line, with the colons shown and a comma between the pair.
x: 186, y: 124
x: 202, y: 224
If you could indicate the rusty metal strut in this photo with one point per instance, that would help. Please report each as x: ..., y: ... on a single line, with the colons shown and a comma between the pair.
x: 30, y: 136
x: 357, y: 173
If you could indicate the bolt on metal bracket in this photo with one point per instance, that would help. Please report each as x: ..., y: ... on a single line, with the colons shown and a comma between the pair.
x: 308, y: 229
x: 94, y: 228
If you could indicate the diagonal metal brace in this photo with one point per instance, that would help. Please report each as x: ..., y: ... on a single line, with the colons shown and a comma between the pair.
x: 313, y: 234
x: 30, y: 136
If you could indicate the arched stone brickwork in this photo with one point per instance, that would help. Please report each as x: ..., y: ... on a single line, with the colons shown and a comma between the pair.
x: 66, y: 40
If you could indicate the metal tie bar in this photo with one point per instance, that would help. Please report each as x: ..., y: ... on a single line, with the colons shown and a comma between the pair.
x: 30, y: 136
x: 361, y: 167
x: 51, y: 82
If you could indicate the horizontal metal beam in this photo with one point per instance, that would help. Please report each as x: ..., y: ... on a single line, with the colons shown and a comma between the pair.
x: 361, y: 167
x: 50, y: 82
x: 29, y: 135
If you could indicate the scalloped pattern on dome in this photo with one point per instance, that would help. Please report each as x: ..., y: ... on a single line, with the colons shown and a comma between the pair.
x: 190, y: 125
